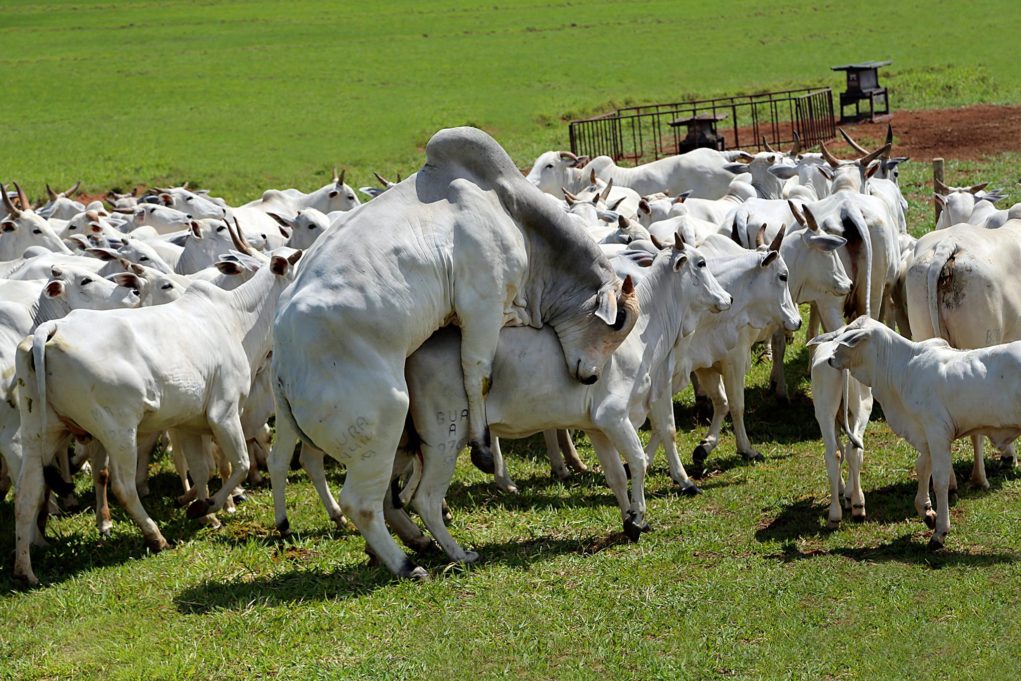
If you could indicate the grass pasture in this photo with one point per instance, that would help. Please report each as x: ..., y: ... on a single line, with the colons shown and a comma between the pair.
x: 743, y: 581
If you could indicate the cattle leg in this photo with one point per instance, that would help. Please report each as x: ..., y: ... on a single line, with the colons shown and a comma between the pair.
x: 777, y: 377
x: 569, y: 451
x: 558, y: 469
x: 978, y: 467
x: 438, y: 463
x: 312, y: 461
x: 403, y: 525
x: 712, y: 383
x: 180, y: 465
x: 69, y: 502
x: 278, y: 463
x: 480, y: 334
x: 501, y: 477
x: 734, y: 370
x: 123, y: 458
x: 939, y: 455
x: 5, y: 479
x: 229, y: 436
x: 855, y: 459
x: 1008, y: 460
x: 100, y: 484
x: 923, y: 471
x: 664, y: 431
x: 831, y: 444
x: 28, y: 496
x: 613, y: 470
x: 625, y: 440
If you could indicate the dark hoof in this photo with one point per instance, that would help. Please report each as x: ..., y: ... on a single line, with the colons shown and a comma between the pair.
x: 199, y: 508
x: 284, y: 528
x: 23, y: 583
x: 632, y: 530
x: 698, y: 458
x: 691, y: 491
x: 627, y: 471
x: 296, y: 458
x: 155, y: 546
x: 754, y: 457
x: 930, y: 520
x: 858, y: 519
x: 482, y: 457
x: 1007, y: 463
x: 424, y: 547
x: 952, y: 496
x: 240, y: 498
x: 935, y: 544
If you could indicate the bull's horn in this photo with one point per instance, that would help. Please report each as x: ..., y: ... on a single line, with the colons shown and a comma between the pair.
x: 778, y: 239
x: 656, y: 242
x: 8, y: 204
x: 385, y: 182
x: 282, y: 221
x: 609, y: 187
x: 765, y: 143
x: 832, y: 160
x: 678, y: 241
x: 185, y: 185
x: 77, y: 184
x: 889, y: 134
x: 810, y: 219
x: 878, y: 153
x: 798, y: 215
x: 796, y: 147
x: 592, y: 176
x: 760, y: 237
x: 568, y: 156
x: 340, y: 180
x: 569, y: 197
x: 49, y: 191
x: 628, y: 287
x: 238, y: 237
x: 854, y: 145
x: 942, y: 188
x: 976, y: 188
x: 25, y: 205
x: 334, y: 180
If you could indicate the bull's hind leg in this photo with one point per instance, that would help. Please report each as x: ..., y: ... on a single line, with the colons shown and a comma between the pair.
x: 312, y: 461
x: 777, y: 377
x: 438, y: 462
x: 279, y: 462
x: 501, y: 476
x: 481, y: 321
x: 978, y: 467
x: 226, y: 427
x: 123, y: 459
x: 712, y: 383
x: 734, y: 371
x: 613, y: 469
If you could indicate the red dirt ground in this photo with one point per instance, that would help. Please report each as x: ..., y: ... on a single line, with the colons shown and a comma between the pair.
x: 967, y: 134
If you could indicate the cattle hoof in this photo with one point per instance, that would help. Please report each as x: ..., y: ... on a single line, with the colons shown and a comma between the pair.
x: 482, y: 457
x: 979, y: 484
x: 753, y: 456
x: 211, y: 521
x: 423, y: 546
x: 105, y: 533
x: 156, y: 544
x: 691, y: 490
x: 632, y: 530
x: 24, y: 582
x: 240, y: 498
x: 562, y: 474
x: 341, y: 522
x: 284, y: 528
x: 627, y: 471
x: 469, y: 557
x: 143, y: 491
x: 199, y: 508
x: 1007, y: 463
x: 858, y: 518
x: 507, y: 487
x: 698, y: 458
x: 930, y: 519
x: 181, y: 501
x: 418, y: 574
x: 935, y: 544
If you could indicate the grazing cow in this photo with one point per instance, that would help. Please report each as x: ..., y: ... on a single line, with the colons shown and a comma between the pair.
x: 186, y: 365
x: 675, y: 293
x: 959, y: 288
x: 933, y: 394
x: 466, y: 239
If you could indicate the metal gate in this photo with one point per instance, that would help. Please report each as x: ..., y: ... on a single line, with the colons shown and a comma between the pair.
x: 640, y: 134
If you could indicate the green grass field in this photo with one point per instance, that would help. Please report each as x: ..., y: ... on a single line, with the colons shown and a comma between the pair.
x: 742, y: 581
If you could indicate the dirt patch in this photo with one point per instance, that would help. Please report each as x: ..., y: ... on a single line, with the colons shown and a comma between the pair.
x: 968, y: 133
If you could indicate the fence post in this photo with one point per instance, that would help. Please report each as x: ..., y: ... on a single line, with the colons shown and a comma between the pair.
x: 937, y: 179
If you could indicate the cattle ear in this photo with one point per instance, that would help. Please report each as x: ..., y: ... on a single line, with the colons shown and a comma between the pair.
x: 783, y: 172
x: 166, y: 199
x: 54, y: 289
x: 607, y: 306
x: 644, y: 207
x: 940, y: 199
x: 736, y: 168
x: 284, y: 232
x: 228, y: 267
x: 8, y: 226
x: 824, y: 338
x: 196, y: 229
x: 853, y: 337
x: 295, y: 257
x: 823, y: 241
x: 770, y: 257
x: 279, y: 265
x: 106, y: 254
x: 679, y: 261
x: 825, y: 171
x: 873, y: 169
x: 128, y: 280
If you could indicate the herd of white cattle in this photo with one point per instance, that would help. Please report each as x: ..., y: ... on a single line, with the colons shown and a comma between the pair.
x: 469, y: 303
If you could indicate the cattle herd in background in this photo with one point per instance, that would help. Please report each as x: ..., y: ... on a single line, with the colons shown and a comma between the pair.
x: 489, y: 305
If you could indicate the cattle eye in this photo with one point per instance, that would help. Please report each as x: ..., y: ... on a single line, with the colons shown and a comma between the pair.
x: 70, y: 227
x: 701, y: 263
x: 37, y: 231
x: 221, y: 228
x: 144, y: 258
x: 86, y: 280
x: 313, y: 226
x: 167, y: 287
x: 189, y: 198
x: 350, y: 197
x: 783, y: 277
x: 549, y: 166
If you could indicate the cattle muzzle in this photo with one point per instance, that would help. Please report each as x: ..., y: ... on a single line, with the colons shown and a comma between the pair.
x: 723, y: 307
x: 585, y: 378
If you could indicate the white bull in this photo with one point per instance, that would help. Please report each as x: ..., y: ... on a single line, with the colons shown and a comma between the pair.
x: 467, y: 238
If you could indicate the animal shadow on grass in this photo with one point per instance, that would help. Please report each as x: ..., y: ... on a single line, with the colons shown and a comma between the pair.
x: 353, y: 581
x: 905, y: 549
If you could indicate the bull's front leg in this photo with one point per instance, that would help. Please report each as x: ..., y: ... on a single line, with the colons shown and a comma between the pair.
x: 939, y: 456
x: 710, y: 381
x: 777, y: 378
x: 978, y: 467
x: 664, y: 430
x: 734, y: 371
x: 480, y: 333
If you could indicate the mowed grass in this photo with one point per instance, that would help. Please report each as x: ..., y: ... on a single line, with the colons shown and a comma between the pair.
x: 241, y: 96
x: 741, y: 581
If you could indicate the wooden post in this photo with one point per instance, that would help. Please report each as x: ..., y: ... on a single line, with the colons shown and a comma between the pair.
x: 937, y: 178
